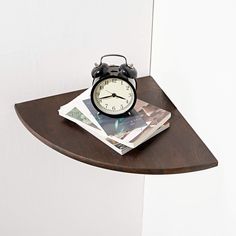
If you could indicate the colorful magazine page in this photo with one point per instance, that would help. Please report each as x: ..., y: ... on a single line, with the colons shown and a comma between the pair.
x: 152, y: 115
x: 78, y: 102
x: 76, y: 114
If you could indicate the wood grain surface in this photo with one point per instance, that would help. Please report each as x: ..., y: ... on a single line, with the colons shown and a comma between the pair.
x: 176, y: 150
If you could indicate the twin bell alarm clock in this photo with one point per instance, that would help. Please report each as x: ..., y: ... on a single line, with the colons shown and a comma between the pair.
x: 114, y: 87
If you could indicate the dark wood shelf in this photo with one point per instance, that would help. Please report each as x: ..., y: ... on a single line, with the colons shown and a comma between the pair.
x: 176, y: 150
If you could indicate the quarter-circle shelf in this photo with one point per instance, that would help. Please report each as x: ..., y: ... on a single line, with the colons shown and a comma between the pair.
x: 176, y: 150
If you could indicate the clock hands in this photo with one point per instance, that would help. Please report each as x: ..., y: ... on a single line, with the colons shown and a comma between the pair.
x: 109, y: 92
x: 110, y: 96
x: 120, y: 97
x: 115, y: 95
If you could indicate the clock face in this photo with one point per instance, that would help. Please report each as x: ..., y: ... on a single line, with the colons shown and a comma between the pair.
x: 113, y: 96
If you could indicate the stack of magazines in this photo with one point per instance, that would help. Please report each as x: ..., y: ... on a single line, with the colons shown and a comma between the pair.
x: 121, y: 134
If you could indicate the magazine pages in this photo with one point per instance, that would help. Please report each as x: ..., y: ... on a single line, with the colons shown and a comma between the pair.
x: 78, y: 117
x: 144, y: 122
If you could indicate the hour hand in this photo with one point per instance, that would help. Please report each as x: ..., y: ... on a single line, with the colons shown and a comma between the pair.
x: 106, y: 97
x: 120, y: 97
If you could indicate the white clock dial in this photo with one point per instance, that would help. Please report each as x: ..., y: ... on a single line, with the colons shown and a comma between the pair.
x: 113, y: 96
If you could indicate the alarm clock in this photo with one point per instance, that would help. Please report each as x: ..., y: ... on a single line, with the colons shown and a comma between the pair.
x: 114, y: 87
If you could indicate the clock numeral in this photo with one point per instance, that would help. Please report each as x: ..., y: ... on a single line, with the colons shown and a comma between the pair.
x: 127, y: 101
x: 113, y: 108
x: 121, y: 106
x: 130, y: 94
x: 106, y: 82
x: 114, y: 80
x: 106, y: 105
x: 99, y: 100
x: 101, y: 87
x: 121, y: 82
x: 127, y: 87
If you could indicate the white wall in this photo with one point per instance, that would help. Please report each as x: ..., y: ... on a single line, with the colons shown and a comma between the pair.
x: 194, y: 61
x: 49, y: 47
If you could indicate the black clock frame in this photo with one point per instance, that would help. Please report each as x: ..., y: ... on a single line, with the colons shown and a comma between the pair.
x: 111, y: 77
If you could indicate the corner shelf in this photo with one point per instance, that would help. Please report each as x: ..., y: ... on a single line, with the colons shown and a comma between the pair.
x: 176, y: 150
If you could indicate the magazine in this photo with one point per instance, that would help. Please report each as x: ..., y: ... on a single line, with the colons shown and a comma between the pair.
x: 125, y: 127
x: 144, y: 121
x: 79, y: 118
x: 119, y: 134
